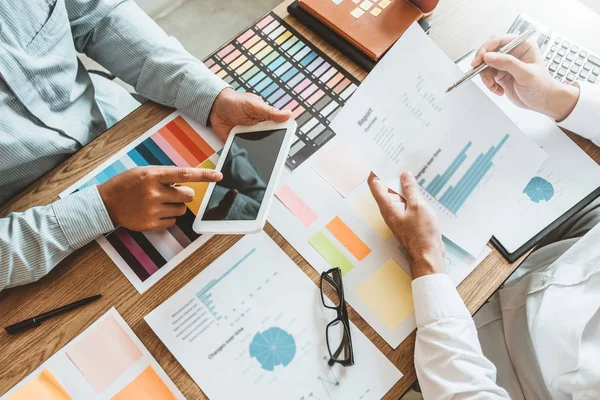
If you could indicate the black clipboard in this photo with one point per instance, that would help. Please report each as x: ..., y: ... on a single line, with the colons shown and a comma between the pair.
x: 540, y: 236
x: 341, y: 44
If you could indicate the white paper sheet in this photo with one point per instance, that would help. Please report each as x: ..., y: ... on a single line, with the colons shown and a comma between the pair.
x: 215, y: 325
x: 400, y: 118
x: 75, y: 383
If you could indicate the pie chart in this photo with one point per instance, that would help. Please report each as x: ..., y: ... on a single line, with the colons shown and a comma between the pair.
x: 273, y: 347
x: 539, y: 189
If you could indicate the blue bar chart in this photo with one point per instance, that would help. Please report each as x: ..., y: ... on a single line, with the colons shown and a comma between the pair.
x: 454, y: 196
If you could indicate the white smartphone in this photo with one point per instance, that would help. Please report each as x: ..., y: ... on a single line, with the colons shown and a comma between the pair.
x: 251, y: 163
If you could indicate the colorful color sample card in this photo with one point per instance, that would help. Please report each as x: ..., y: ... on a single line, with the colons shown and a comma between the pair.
x: 252, y: 326
x: 344, y: 228
x: 275, y: 62
x: 145, y: 257
x: 107, y: 361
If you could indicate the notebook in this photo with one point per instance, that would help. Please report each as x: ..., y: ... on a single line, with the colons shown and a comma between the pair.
x: 372, y: 26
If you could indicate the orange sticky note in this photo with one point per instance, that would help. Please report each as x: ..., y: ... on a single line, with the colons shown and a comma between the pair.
x: 42, y: 387
x: 146, y: 385
x: 348, y: 238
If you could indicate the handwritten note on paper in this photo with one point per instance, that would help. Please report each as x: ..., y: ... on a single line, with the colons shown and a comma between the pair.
x: 342, y: 168
x: 104, y: 354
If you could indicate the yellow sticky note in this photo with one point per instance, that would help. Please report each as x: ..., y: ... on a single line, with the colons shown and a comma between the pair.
x: 388, y: 293
x: 365, y: 5
x: 384, y: 3
x: 357, y: 12
x: 376, y: 11
x: 199, y: 189
x: 44, y: 386
x: 368, y: 210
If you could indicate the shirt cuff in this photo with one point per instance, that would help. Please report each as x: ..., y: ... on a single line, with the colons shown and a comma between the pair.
x: 582, y: 119
x: 435, y: 298
x: 198, y: 91
x: 82, y: 217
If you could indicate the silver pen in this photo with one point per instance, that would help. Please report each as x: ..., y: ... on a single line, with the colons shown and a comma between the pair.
x: 483, y: 66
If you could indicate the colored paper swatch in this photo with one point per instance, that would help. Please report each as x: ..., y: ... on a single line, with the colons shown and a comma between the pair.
x: 199, y: 189
x: 104, y: 354
x: 342, y: 168
x: 290, y: 199
x: 357, y: 12
x: 388, y: 293
x: 42, y: 387
x: 146, y: 386
x: 330, y: 252
x: 273, y: 61
x: 348, y: 238
x: 368, y: 210
x: 376, y: 11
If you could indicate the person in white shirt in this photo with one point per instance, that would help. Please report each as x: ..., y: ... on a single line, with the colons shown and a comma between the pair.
x: 539, y: 336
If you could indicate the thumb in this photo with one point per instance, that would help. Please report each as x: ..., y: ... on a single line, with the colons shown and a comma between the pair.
x: 266, y: 112
x: 505, y: 62
x: 410, y: 188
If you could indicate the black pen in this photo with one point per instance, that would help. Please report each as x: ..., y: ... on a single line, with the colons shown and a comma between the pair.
x: 37, y: 320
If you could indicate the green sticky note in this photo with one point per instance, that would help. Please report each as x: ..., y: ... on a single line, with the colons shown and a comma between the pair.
x: 330, y: 252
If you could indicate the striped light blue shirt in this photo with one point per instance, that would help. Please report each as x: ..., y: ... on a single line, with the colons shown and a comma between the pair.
x: 50, y: 108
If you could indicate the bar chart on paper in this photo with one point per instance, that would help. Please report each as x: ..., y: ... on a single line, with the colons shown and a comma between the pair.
x: 144, y: 257
x: 466, y: 177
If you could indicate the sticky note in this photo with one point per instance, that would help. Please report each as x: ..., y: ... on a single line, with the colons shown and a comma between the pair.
x: 388, y: 293
x: 342, y: 168
x: 368, y: 210
x: 146, y: 385
x: 376, y: 11
x: 384, y: 3
x: 348, y: 238
x: 290, y: 199
x: 330, y: 252
x: 43, y: 387
x: 104, y: 353
x: 365, y: 5
x: 357, y: 12
x: 199, y: 188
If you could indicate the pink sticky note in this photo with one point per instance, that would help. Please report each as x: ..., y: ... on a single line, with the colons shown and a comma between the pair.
x: 104, y: 354
x: 342, y: 168
x: 295, y: 204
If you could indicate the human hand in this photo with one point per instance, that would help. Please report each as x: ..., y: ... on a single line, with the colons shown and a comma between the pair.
x: 413, y: 223
x: 523, y: 78
x: 142, y: 199
x: 232, y: 108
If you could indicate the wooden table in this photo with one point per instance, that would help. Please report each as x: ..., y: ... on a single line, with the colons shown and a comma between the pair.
x: 458, y: 26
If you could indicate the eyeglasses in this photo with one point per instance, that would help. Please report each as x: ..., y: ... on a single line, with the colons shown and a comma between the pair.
x: 339, y: 341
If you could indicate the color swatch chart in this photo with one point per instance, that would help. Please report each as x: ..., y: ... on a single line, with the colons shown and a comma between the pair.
x: 107, y: 361
x: 275, y: 62
x: 145, y: 257
x: 455, y: 196
x: 327, y: 213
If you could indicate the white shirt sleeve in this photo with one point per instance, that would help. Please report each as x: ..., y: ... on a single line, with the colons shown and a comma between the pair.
x: 448, y: 357
x: 583, y: 120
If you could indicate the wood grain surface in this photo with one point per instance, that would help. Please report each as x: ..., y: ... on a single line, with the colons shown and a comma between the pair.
x: 457, y: 27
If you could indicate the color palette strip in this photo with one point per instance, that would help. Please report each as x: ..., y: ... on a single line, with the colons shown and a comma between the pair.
x: 175, y: 144
x: 294, y: 203
x: 274, y: 61
x: 348, y: 238
x: 330, y: 252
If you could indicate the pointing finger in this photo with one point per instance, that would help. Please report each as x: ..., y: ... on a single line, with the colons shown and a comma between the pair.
x: 169, y: 175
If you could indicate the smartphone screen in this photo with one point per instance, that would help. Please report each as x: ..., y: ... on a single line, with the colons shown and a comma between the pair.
x: 247, y: 170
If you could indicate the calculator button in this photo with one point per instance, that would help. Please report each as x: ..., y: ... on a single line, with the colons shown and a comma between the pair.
x: 553, y: 67
x: 592, y: 78
x: 566, y: 45
x: 583, y: 53
x: 574, y: 49
x: 562, y: 72
x: 579, y: 61
x: 558, y: 78
x: 570, y: 77
x: 575, y: 69
x: 594, y: 60
x: 587, y: 66
x: 596, y: 71
x: 584, y: 74
x: 562, y: 52
x: 557, y: 41
x: 553, y: 48
x: 570, y: 56
x: 549, y: 55
x: 566, y: 64
x: 557, y: 59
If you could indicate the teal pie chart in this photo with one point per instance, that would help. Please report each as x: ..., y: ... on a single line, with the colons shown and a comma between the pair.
x: 273, y: 347
x: 538, y: 189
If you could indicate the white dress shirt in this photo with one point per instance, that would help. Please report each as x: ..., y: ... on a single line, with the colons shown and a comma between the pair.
x: 541, y: 330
